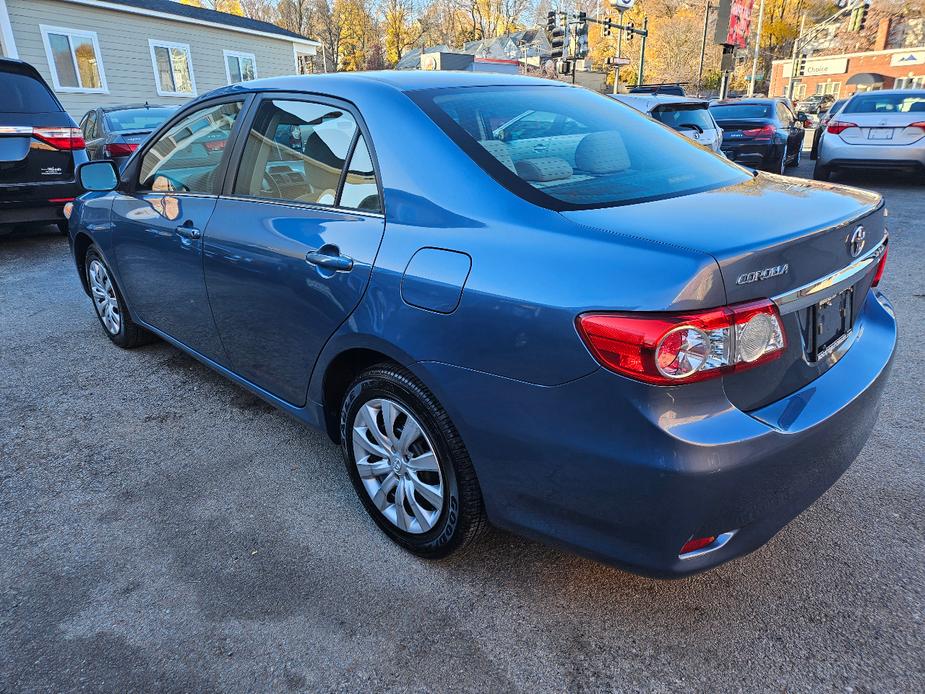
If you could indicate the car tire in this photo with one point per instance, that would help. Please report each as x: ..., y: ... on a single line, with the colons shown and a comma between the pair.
x: 782, y: 168
x: 821, y: 173
x: 62, y: 228
x: 110, y: 306
x: 796, y: 159
x: 440, y: 510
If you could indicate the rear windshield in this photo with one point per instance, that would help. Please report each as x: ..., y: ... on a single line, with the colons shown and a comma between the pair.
x: 741, y: 111
x: 886, y: 103
x: 25, y: 94
x: 569, y: 148
x: 137, y: 119
x: 684, y: 116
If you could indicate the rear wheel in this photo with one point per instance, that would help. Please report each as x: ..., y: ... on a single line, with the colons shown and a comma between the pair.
x: 408, y: 464
x: 821, y: 173
x: 62, y: 228
x: 796, y: 158
x: 110, y: 306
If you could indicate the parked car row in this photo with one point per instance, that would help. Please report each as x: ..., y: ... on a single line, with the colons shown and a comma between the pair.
x: 41, y: 145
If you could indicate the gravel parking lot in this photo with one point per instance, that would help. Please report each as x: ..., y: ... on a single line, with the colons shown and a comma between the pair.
x: 162, y: 529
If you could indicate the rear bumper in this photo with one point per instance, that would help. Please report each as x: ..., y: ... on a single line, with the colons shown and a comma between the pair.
x: 759, y: 155
x: 626, y: 473
x: 24, y: 204
x: 834, y: 152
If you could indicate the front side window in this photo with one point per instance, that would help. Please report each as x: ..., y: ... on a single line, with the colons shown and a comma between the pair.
x: 186, y: 157
x: 296, y: 151
x: 173, y: 68
x: 591, y: 152
x: 74, y: 59
x: 240, y: 67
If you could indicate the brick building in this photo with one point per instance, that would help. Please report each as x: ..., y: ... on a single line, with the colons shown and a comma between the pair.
x: 890, y: 56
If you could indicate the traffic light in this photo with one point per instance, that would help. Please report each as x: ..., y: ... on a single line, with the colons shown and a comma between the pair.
x: 564, y: 67
x: 801, y: 65
x: 551, y: 21
x: 581, y: 37
x: 606, y: 30
x: 557, y: 42
x: 629, y: 31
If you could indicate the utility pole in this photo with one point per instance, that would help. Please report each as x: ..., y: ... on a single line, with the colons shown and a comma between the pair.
x: 793, y: 58
x: 703, y: 47
x: 751, y: 85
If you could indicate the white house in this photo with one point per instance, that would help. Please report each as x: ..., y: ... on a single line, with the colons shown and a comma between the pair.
x: 110, y: 52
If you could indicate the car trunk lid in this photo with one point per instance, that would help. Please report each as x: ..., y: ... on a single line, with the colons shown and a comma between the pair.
x: 770, y: 236
x: 874, y: 129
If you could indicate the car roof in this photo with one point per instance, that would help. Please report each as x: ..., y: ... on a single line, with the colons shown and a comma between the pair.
x: 401, y: 80
x: 129, y: 107
x: 737, y: 102
x: 649, y: 101
x: 914, y: 92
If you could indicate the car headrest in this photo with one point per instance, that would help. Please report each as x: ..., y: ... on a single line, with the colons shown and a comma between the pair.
x: 499, y: 151
x: 917, y: 106
x: 543, y: 169
x: 602, y: 153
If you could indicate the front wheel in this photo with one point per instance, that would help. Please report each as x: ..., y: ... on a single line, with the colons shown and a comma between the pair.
x: 109, y: 304
x: 408, y: 464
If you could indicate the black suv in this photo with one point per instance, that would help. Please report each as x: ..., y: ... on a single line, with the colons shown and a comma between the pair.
x: 40, y: 147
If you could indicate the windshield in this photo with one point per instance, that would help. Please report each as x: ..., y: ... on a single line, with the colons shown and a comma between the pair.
x: 137, y: 119
x: 684, y: 117
x: 741, y: 111
x: 886, y: 103
x: 569, y: 148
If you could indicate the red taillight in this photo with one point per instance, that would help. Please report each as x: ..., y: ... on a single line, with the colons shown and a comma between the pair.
x: 120, y: 149
x: 881, y: 266
x: 697, y: 543
x: 763, y: 133
x: 60, y: 138
x: 920, y: 124
x: 838, y: 126
x: 673, y: 348
x: 61, y: 200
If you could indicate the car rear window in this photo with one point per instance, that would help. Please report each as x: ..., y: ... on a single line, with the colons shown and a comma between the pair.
x: 137, y: 119
x: 683, y: 116
x: 569, y: 148
x: 741, y: 111
x: 886, y: 103
x: 25, y: 94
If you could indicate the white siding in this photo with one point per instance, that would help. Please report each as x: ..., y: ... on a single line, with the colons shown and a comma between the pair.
x: 126, y: 57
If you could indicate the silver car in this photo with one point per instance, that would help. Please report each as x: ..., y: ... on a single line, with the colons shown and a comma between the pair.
x: 875, y: 130
x: 689, y: 116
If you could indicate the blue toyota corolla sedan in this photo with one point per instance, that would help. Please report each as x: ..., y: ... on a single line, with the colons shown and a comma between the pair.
x: 510, y: 301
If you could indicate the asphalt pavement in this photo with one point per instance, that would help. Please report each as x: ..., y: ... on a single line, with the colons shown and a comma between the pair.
x: 162, y: 529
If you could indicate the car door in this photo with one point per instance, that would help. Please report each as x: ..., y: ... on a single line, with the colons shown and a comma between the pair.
x: 94, y: 137
x: 290, y: 248
x: 793, y: 128
x: 158, y: 223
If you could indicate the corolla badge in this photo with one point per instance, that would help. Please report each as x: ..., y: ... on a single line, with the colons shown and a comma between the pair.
x: 767, y: 273
x: 856, y: 242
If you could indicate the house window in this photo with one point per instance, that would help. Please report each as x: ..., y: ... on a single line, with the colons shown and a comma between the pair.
x: 240, y: 67
x: 829, y: 87
x: 910, y: 83
x: 173, y: 68
x: 74, y: 59
x: 799, y: 91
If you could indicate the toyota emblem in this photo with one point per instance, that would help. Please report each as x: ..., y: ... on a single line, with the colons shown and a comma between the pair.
x: 856, y: 242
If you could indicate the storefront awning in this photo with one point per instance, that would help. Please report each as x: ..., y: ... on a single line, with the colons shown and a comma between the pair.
x: 865, y: 79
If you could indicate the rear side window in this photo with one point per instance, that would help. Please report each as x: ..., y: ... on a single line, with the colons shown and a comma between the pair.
x: 684, y: 117
x: 25, y: 94
x: 186, y: 157
x: 568, y: 148
x: 886, y: 103
x: 297, y: 151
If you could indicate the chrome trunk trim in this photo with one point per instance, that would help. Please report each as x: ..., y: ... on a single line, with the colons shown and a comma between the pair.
x: 813, y: 292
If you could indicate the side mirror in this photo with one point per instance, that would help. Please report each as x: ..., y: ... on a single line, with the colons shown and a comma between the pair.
x: 98, y: 176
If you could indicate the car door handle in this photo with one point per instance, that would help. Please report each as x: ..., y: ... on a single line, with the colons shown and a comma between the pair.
x: 189, y: 232
x: 329, y: 258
